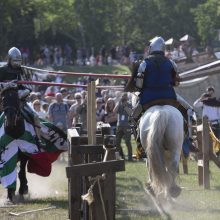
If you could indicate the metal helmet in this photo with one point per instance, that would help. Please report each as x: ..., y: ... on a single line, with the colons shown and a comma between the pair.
x: 157, y: 44
x: 14, y: 57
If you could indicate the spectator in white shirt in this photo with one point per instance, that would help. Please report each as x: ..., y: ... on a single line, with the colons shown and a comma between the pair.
x: 37, y: 108
x: 211, y: 108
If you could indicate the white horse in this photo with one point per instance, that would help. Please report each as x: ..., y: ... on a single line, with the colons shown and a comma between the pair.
x: 161, y: 133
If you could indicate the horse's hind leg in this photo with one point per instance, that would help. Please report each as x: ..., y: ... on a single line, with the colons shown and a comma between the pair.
x: 22, y: 174
x: 174, y: 189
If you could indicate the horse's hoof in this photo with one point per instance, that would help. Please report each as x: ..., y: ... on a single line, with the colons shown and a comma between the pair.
x: 21, y: 198
x: 8, y: 202
x: 175, y: 191
x: 11, y: 201
x: 11, y: 196
x: 23, y: 190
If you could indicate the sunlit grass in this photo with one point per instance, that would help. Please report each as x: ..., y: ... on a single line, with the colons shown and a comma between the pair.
x: 131, y: 203
x: 193, y: 203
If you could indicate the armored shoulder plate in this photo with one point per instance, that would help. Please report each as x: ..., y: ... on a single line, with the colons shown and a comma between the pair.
x: 142, y: 67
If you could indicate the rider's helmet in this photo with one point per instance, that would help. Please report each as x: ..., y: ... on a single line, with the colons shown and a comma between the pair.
x: 14, y: 57
x: 157, y: 44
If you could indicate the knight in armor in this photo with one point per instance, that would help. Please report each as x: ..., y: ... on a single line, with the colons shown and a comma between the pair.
x: 155, y: 78
x: 9, y: 74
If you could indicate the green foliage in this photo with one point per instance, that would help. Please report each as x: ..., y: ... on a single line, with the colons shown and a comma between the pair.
x: 207, y: 17
x: 93, y: 23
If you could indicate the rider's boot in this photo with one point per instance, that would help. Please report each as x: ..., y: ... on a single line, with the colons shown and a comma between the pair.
x: 134, y: 118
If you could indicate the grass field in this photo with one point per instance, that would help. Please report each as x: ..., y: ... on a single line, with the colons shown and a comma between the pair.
x: 132, y: 203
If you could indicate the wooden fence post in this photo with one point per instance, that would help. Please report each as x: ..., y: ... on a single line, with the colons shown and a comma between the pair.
x: 85, y: 165
x: 74, y: 183
x: 91, y: 113
x: 206, y: 150
x: 200, y: 156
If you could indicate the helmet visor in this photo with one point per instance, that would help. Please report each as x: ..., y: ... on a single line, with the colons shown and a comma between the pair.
x: 15, y: 63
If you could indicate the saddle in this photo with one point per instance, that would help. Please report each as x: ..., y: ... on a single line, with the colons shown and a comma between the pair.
x: 171, y: 102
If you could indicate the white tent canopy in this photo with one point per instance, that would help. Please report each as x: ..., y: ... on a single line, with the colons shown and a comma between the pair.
x: 153, y: 39
x: 186, y: 38
x: 170, y: 41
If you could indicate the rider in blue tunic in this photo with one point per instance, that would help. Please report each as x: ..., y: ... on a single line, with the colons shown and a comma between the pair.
x: 159, y: 74
x: 154, y: 78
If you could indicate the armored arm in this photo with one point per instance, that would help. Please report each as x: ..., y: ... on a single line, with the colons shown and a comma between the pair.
x: 7, y: 85
x: 175, y: 75
x: 131, y: 85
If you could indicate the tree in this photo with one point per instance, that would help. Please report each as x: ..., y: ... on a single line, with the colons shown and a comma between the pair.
x: 207, y: 18
x: 93, y: 23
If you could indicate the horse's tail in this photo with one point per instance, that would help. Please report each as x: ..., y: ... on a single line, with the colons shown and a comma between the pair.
x: 155, y: 151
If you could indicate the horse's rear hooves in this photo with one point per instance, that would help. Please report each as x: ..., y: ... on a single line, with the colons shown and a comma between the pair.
x: 23, y: 190
x: 9, y: 202
x: 175, y: 191
x: 11, y: 199
x: 23, y: 198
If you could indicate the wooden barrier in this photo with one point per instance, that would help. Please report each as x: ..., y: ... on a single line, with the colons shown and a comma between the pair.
x: 205, y: 154
x: 86, y: 162
x: 92, y: 168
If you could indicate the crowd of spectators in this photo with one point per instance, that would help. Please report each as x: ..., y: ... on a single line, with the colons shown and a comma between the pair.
x: 58, y: 56
x: 65, y: 55
x: 67, y: 108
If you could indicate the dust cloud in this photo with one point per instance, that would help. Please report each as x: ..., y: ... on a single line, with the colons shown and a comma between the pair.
x: 54, y: 185
x: 51, y: 186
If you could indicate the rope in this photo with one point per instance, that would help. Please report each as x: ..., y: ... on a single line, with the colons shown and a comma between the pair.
x: 89, y: 196
x: 101, y: 197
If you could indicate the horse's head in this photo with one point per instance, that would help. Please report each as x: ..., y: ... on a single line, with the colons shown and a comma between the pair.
x: 10, y: 106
